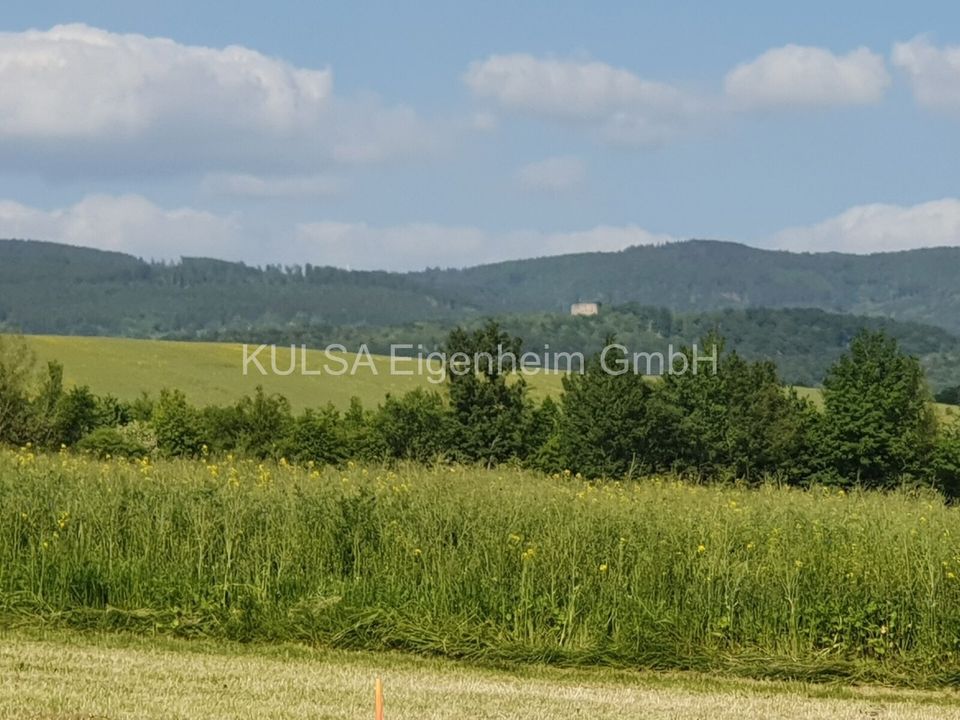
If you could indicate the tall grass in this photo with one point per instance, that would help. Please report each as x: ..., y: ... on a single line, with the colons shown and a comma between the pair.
x: 487, y: 564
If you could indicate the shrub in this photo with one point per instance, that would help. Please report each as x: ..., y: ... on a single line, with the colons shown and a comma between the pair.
x: 76, y: 414
x: 318, y: 437
x: 946, y: 459
x: 110, y: 442
x: 416, y: 426
x: 16, y: 371
x: 177, y: 425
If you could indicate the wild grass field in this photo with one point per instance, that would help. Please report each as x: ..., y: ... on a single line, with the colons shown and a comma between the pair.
x: 489, y: 565
x: 212, y: 373
x: 62, y: 675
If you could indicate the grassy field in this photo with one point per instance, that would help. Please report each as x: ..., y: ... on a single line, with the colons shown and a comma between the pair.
x: 63, y: 676
x: 497, y: 565
x: 212, y: 373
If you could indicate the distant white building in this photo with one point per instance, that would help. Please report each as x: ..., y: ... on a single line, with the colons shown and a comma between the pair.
x: 585, y: 308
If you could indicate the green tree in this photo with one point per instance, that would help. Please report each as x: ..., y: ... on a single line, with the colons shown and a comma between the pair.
x: 16, y: 374
x: 264, y: 424
x: 949, y: 396
x: 489, y: 404
x: 544, y: 442
x: 177, y: 425
x: 612, y: 423
x: 362, y: 441
x: 75, y: 416
x: 878, y: 423
x: 946, y: 459
x: 318, y: 436
x: 45, y: 403
x: 415, y: 426
x: 736, y: 418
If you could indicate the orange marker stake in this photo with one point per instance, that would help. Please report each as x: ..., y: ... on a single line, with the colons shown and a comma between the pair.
x: 378, y: 700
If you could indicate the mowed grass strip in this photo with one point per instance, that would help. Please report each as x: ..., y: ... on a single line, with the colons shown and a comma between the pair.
x: 68, y: 676
x: 212, y: 373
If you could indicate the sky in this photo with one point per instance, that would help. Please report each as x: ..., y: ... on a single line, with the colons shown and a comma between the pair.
x: 400, y: 136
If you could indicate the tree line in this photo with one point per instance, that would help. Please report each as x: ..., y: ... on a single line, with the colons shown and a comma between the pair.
x: 876, y: 427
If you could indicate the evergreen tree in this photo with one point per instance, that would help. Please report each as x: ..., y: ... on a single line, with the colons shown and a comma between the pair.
x: 489, y: 405
x: 878, y: 423
x: 736, y: 418
x: 613, y: 423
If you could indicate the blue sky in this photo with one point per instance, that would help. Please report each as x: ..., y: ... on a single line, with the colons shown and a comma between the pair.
x: 380, y: 135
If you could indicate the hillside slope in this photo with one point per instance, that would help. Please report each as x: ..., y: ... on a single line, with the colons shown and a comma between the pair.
x: 918, y: 285
x: 49, y: 288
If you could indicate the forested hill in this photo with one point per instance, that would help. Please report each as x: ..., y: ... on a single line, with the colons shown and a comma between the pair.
x: 60, y: 289
x: 52, y: 288
x: 802, y: 342
x: 920, y: 285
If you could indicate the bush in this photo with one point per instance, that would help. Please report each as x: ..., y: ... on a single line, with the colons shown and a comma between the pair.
x: 177, y: 425
x: 16, y: 372
x: 416, y: 426
x: 264, y: 425
x: 77, y: 413
x: 110, y: 442
x: 946, y: 460
x: 949, y: 396
x: 318, y: 437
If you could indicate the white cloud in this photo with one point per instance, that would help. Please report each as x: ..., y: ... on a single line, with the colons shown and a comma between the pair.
x: 484, y: 122
x: 879, y: 228
x: 934, y: 73
x: 798, y: 76
x: 420, y: 245
x: 622, y: 106
x: 126, y: 223
x: 134, y: 225
x: 553, y: 174
x: 81, y: 95
x: 254, y: 186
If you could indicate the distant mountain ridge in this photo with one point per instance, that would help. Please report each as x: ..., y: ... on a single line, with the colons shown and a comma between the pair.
x: 52, y: 288
x: 696, y: 275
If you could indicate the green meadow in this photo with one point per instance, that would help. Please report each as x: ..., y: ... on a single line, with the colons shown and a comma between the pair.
x: 212, y: 373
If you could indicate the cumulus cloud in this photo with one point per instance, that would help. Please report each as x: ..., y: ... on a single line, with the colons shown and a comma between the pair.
x: 563, y: 172
x: 254, y: 186
x: 134, y: 225
x: 78, y: 94
x: 799, y: 76
x: 934, y: 73
x: 126, y: 223
x: 879, y: 228
x: 622, y: 106
x: 419, y: 245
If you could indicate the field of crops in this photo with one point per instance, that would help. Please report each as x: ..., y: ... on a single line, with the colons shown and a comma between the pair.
x: 488, y: 565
